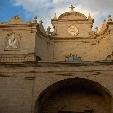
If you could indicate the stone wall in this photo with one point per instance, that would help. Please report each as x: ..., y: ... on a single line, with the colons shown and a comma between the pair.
x: 89, y: 49
x: 22, y: 85
x: 42, y: 46
x: 17, y: 38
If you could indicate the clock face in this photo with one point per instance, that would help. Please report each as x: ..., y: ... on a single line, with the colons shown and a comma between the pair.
x: 73, y: 30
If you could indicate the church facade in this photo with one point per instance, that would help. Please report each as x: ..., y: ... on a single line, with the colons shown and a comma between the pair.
x: 69, y: 70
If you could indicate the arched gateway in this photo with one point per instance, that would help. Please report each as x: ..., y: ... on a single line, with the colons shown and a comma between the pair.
x: 76, y: 95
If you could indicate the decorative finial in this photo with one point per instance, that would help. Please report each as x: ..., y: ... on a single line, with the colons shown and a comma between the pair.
x: 109, y: 18
x: 89, y: 17
x: 49, y: 30
x: 40, y: 22
x: 89, y: 14
x: 96, y: 28
x: 35, y: 19
x: 55, y: 17
x: 16, y: 17
x: 72, y: 8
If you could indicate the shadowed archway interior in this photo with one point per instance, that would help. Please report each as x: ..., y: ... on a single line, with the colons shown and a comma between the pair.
x: 76, y: 95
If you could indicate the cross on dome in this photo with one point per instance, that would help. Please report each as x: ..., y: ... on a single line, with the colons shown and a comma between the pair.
x: 72, y: 8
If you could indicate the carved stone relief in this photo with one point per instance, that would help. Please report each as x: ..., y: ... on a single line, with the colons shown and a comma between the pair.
x: 73, y: 30
x: 12, y: 41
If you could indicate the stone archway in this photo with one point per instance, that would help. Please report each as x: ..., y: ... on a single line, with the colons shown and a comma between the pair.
x: 76, y: 95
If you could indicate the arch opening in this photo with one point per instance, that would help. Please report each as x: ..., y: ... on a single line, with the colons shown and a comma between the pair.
x: 76, y: 95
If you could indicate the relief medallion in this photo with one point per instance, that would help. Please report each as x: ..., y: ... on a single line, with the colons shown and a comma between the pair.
x: 73, y: 30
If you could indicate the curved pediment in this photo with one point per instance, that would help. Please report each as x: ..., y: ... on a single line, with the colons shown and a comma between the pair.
x: 72, y: 16
x: 16, y: 20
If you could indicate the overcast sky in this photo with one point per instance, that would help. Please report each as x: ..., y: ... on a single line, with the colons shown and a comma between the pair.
x: 45, y: 9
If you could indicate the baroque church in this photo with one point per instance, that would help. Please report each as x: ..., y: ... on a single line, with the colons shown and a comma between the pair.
x: 69, y: 70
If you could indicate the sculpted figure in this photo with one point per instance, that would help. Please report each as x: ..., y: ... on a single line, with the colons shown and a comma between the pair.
x: 12, y: 41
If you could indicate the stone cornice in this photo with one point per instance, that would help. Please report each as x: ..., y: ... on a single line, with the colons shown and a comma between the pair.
x: 73, y: 38
x: 51, y: 66
x: 17, y: 25
x: 110, y: 22
x: 76, y: 21
x: 25, y: 27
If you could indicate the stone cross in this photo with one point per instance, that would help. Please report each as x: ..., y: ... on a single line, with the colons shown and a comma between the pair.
x: 72, y: 8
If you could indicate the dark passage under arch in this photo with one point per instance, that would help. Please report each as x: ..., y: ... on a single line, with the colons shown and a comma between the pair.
x: 77, y: 95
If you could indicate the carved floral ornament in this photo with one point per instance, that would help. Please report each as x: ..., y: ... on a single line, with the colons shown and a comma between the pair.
x: 12, y: 41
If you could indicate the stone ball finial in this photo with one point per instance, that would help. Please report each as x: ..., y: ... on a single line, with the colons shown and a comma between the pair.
x: 110, y: 18
x: 35, y: 19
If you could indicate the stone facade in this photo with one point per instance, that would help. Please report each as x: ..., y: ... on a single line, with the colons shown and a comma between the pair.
x: 69, y: 70
x: 73, y: 34
x: 14, y: 36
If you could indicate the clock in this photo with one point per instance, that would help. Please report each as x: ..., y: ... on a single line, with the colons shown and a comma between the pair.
x: 73, y: 30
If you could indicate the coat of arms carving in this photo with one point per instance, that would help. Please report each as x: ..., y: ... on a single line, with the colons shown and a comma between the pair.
x: 12, y: 41
x: 73, y: 30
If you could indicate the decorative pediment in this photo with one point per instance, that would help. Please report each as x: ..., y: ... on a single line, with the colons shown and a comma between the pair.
x: 72, y: 16
x: 16, y: 20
